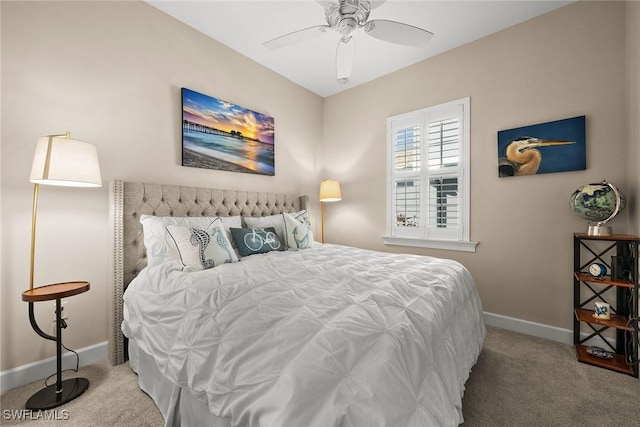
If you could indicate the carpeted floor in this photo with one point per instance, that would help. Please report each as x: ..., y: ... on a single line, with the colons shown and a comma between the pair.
x: 521, y: 380
x: 518, y: 381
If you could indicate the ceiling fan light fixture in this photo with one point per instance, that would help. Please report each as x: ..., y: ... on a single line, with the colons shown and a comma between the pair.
x: 347, y: 16
x: 346, y: 26
x: 354, y: 12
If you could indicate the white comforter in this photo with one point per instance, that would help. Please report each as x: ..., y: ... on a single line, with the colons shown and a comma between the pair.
x: 328, y: 336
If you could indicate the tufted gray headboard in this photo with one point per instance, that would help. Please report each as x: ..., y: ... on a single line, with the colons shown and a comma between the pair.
x: 129, y: 200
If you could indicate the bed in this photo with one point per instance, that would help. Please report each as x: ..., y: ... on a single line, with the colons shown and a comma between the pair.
x: 315, y: 335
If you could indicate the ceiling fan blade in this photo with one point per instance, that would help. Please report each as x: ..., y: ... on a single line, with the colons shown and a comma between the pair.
x: 397, y: 32
x: 344, y: 59
x: 296, y: 37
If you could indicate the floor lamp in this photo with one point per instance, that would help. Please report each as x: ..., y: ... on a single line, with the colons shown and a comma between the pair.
x: 62, y: 161
x: 329, y: 192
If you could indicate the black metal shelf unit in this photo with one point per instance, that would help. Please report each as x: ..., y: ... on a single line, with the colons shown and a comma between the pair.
x: 623, y: 284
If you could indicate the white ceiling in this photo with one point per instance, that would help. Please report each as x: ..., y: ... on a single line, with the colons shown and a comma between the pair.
x: 244, y: 25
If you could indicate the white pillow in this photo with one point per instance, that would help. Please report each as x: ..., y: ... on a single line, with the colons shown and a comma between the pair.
x: 298, y: 232
x: 277, y: 222
x: 201, y: 248
x: 160, y: 246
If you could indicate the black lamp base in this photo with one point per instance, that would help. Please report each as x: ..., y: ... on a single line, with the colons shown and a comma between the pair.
x: 47, y: 398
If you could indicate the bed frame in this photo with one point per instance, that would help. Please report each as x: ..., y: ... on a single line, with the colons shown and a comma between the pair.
x: 129, y: 200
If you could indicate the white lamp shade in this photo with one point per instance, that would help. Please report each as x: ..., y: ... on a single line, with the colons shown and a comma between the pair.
x: 67, y: 162
x: 330, y: 191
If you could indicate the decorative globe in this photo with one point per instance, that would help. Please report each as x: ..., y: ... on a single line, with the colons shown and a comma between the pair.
x: 597, y: 203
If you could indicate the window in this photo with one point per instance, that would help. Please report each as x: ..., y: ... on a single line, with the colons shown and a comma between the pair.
x: 428, y: 178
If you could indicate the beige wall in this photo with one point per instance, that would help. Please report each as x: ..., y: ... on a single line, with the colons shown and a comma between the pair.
x: 567, y: 63
x: 632, y: 14
x: 110, y: 73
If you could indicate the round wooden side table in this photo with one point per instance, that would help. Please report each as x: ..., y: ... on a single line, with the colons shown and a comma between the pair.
x: 62, y: 391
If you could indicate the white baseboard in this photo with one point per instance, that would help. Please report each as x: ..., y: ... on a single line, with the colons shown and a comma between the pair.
x: 529, y: 328
x: 41, y: 369
x: 539, y: 330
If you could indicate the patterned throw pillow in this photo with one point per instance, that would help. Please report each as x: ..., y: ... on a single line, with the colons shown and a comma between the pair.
x: 263, y: 222
x: 256, y: 240
x: 277, y: 222
x: 200, y: 249
x: 298, y: 231
x: 160, y: 246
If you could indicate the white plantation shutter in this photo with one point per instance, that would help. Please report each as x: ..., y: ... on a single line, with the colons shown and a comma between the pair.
x: 406, y: 189
x: 444, y: 127
x: 407, y: 183
x: 407, y: 201
x: 444, y: 142
x: 428, y: 186
x: 407, y: 148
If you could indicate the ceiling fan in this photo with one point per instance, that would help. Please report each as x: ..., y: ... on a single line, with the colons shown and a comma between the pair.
x: 347, y: 16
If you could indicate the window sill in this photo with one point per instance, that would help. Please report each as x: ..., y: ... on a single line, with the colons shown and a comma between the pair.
x: 449, y: 245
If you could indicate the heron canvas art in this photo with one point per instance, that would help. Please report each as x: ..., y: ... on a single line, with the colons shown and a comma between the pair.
x: 557, y: 146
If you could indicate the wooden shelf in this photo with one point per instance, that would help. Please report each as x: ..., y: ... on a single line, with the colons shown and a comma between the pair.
x: 617, y: 321
x: 618, y: 362
x: 621, y: 294
x: 612, y: 237
x: 606, y: 280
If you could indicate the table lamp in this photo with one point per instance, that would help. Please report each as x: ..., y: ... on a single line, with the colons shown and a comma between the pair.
x: 58, y: 160
x: 329, y: 192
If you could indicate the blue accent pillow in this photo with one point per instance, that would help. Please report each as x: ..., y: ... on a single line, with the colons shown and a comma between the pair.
x: 256, y: 240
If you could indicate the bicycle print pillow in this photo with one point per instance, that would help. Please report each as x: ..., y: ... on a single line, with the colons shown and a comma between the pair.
x: 256, y: 240
x: 200, y: 249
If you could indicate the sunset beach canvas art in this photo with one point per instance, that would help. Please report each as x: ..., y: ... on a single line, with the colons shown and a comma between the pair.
x: 220, y: 135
